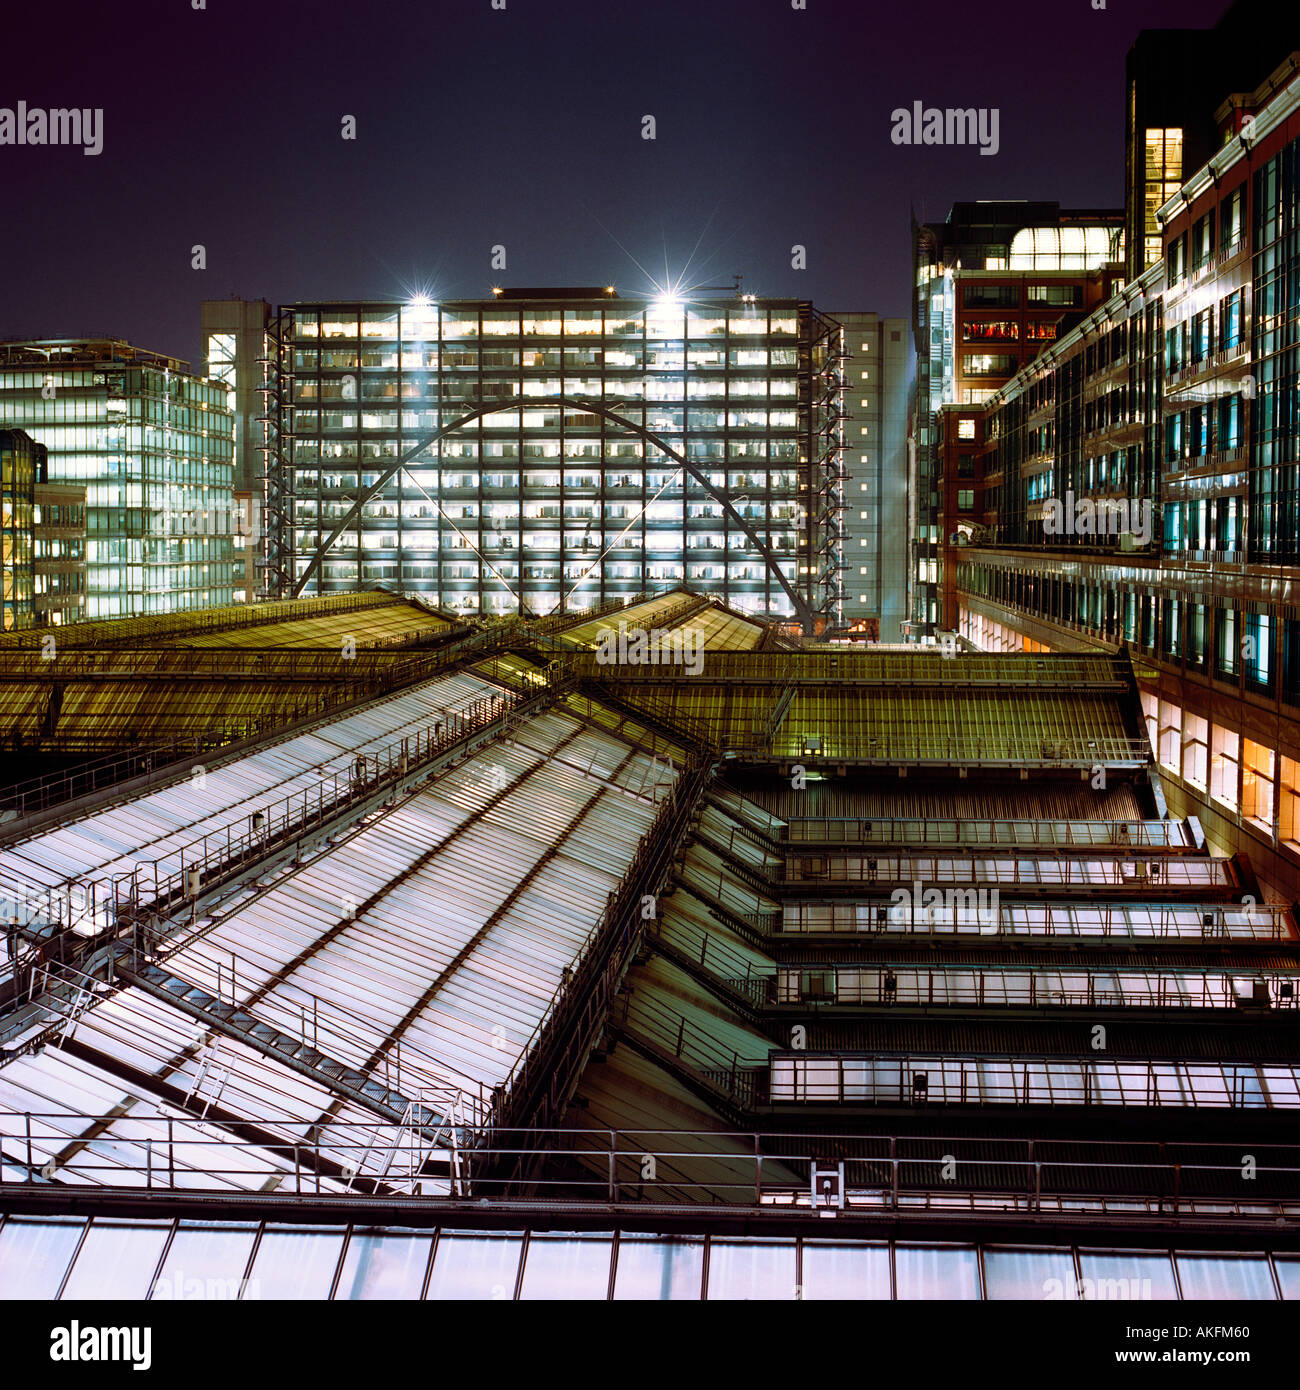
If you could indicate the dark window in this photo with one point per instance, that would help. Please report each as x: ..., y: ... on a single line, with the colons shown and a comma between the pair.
x: 1059, y: 296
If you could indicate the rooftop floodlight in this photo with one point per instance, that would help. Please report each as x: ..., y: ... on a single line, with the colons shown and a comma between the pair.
x: 609, y: 289
x: 421, y: 301
x: 496, y: 289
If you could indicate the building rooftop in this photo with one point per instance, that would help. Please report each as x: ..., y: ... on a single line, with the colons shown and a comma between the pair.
x: 68, y: 351
x: 464, y: 951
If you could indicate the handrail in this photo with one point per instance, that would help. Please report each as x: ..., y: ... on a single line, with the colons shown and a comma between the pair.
x: 975, y: 834
x: 1004, y: 867
x: 317, y: 1023
x: 709, y: 953
x: 111, y: 904
x: 683, y: 1037
x: 1203, y: 922
x: 37, y: 793
x: 868, y: 984
x: 965, y: 1078
x: 925, y: 666
x: 767, y: 1171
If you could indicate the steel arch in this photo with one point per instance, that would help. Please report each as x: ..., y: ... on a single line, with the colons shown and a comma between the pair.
x: 801, y: 608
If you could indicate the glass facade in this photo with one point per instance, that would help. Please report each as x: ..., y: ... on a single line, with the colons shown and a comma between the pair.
x: 1162, y: 175
x: 153, y: 447
x: 1158, y: 455
x: 70, y: 1258
x: 990, y: 285
x: 60, y: 537
x: 536, y: 502
x: 18, y: 472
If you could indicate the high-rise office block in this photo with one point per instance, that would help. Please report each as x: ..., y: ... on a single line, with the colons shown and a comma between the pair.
x: 235, y: 345
x: 1186, y: 95
x: 545, y: 450
x: 59, y: 534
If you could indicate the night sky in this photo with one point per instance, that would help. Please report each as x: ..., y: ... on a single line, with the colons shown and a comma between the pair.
x: 522, y: 127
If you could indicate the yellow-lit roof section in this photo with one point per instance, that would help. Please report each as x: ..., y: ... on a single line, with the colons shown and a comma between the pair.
x: 367, y: 627
x: 720, y: 629
x: 262, y: 624
x: 829, y: 706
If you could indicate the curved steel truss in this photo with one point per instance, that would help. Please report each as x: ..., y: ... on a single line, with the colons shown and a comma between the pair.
x: 801, y: 606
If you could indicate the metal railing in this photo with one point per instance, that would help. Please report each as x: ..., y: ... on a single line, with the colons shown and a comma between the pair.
x: 140, y: 899
x: 1201, y: 922
x: 977, y: 834
x: 104, y: 633
x: 964, y: 1079
x: 705, y: 951
x: 875, y: 984
x: 926, y: 667
x: 1019, y: 986
x: 535, y: 1091
x: 769, y: 1172
x: 308, y: 1033
x: 680, y: 1037
x: 1190, y: 874
x: 40, y: 793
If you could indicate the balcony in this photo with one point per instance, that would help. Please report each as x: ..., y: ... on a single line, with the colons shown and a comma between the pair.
x: 1206, y: 465
x: 1231, y: 255
x: 1192, y: 374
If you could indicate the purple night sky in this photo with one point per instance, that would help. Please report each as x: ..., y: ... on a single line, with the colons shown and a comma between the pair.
x: 522, y: 127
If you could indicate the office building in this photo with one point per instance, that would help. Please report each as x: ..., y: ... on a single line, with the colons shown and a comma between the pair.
x: 876, y: 395
x: 1139, y: 489
x: 152, y: 445
x: 235, y: 348
x: 545, y: 450
x: 59, y: 536
x: 993, y: 285
x: 1187, y: 93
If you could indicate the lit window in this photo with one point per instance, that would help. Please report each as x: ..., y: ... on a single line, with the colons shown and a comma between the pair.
x: 1224, y: 764
x: 1257, y: 784
x: 1288, y: 804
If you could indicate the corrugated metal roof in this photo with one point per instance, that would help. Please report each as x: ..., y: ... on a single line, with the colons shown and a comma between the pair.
x: 148, y: 829
x: 423, y: 948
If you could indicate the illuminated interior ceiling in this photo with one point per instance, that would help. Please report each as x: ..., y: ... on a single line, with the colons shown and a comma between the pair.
x: 1065, y: 248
